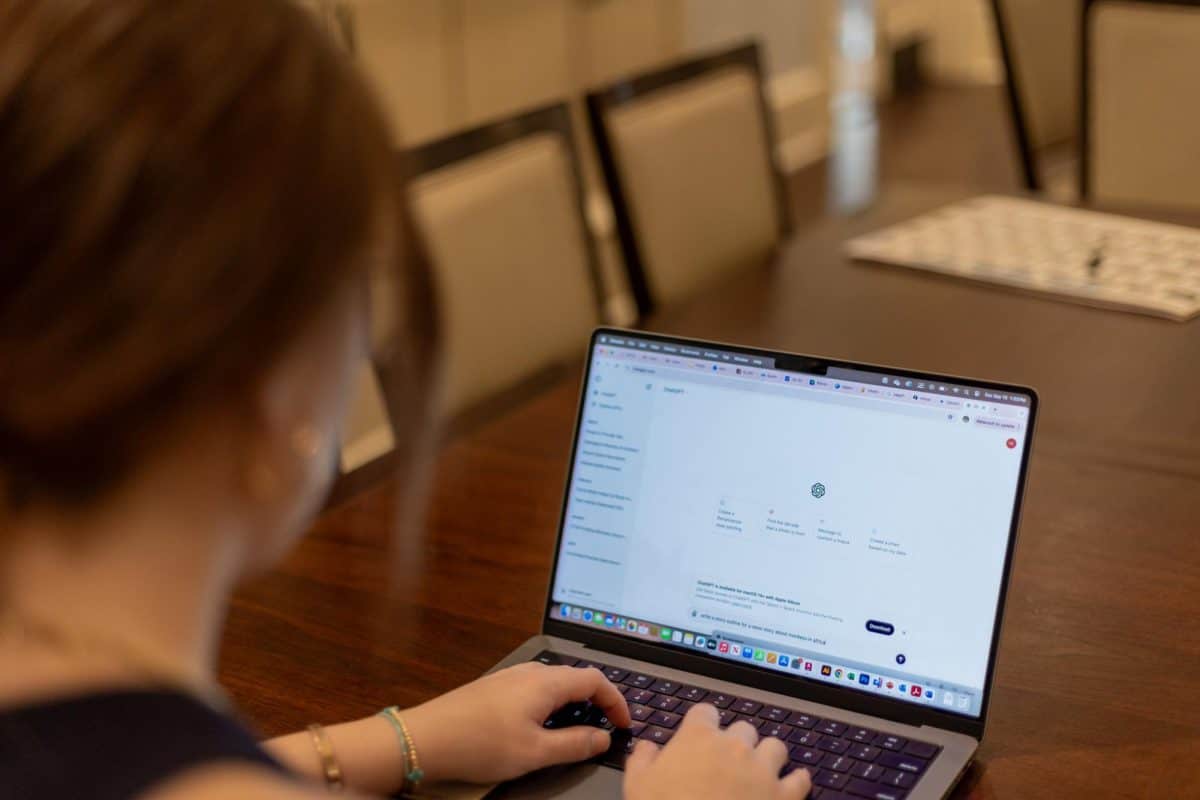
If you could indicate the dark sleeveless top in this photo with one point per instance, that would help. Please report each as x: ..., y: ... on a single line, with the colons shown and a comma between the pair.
x: 115, y: 746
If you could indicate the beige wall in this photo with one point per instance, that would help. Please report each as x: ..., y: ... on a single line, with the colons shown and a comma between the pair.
x: 960, y: 36
x: 444, y: 65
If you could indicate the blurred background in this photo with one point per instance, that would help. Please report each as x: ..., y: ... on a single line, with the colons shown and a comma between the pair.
x: 572, y: 163
x: 444, y: 66
x: 736, y: 170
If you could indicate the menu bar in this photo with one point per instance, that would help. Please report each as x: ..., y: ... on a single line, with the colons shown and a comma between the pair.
x: 702, y: 353
x: 892, y: 392
x: 875, y: 383
x: 940, y: 387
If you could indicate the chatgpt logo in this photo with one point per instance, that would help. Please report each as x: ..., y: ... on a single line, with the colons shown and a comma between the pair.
x: 818, y: 490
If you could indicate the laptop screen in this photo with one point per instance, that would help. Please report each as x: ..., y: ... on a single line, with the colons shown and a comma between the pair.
x: 850, y: 527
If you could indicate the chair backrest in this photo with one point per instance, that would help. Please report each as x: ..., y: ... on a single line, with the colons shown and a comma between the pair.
x: 1040, y: 44
x: 689, y: 159
x: 1141, y: 123
x: 500, y: 212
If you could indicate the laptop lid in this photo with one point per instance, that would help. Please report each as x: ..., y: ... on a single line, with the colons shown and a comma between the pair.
x: 834, y: 531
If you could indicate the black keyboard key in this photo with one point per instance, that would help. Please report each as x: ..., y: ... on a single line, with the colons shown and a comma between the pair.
x: 830, y: 779
x: 726, y: 716
x: 798, y: 720
x: 860, y: 788
x: 638, y: 681
x: 831, y: 744
x: 830, y: 728
x: 864, y: 752
x: 665, y: 687
x: 903, y: 763
x: 902, y: 780
x: 554, y: 659
x: 776, y: 730
x: 624, y: 690
x: 868, y: 772
x: 635, y: 728
x: 619, y: 750
x: 643, y: 696
x: 837, y: 763
x: 720, y: 700
x: 597, y: 719
x: 774, y: 713
x: 616, y: 674
x: 693, y: 694
x: 753, y: 722
x: 805, y: 738
x: 746, y: 707
x: 889, y: 742
x: 922, y: 749
x: 664, y: 719
x: 656, y: 734
x: 683, y: 707
x: 664, y: 702
x: 569, y: 715
x: 808, y: 756
x: 861, y: 735
x: 639, y: 712
x: 591, y: 664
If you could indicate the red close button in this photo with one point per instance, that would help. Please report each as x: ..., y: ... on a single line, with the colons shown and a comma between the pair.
x: 1011, y: 443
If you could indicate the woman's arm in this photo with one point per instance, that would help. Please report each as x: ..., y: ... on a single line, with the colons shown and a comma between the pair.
x: 487, y: 731
x: 368, y: 751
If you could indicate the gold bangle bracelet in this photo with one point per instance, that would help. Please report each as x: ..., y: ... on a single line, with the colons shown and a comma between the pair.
x: 329, y: 763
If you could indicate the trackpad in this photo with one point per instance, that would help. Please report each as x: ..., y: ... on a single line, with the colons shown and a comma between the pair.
x: 575, y: 781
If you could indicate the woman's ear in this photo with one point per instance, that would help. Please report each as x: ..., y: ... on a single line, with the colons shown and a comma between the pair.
x: 295, y: 412
x: 285, y: 472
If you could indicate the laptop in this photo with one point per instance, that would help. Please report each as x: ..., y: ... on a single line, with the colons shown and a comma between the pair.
x: 815, y: 546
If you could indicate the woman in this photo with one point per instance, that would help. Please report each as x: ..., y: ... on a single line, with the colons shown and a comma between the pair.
x: 191, y: 193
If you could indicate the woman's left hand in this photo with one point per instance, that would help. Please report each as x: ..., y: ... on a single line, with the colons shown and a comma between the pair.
x: 491, y: 729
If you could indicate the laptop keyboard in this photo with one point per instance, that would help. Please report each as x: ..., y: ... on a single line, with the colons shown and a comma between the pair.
x: 846, y: 762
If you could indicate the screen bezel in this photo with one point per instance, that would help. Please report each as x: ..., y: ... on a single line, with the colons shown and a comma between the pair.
x: 701, y: 662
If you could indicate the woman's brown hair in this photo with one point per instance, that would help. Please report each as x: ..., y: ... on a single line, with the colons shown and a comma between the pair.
x: 183, y: 185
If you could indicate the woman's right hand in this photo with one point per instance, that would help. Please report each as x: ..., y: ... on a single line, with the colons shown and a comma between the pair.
x: 702, y: 762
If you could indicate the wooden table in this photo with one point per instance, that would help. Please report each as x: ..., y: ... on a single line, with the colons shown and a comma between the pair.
x: 1097, y: 689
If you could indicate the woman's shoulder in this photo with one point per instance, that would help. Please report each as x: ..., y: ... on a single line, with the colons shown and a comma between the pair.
x: 134, y: 742
x: 220, y: 781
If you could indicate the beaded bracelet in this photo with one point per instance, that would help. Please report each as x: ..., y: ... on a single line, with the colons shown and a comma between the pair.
x: 330, y: 766
x: 413, y: 774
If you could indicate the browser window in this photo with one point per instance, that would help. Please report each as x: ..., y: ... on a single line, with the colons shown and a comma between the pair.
x: 849, y: 527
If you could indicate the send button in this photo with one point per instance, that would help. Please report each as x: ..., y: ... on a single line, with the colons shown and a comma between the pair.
x: 884, y: 628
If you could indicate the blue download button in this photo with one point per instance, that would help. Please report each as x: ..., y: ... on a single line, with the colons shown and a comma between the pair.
x: 882, y: 628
